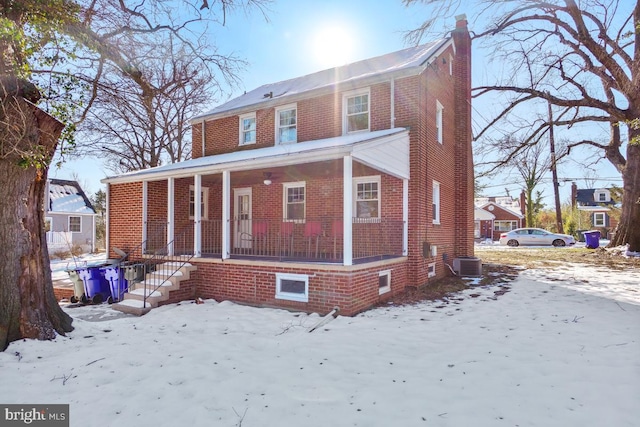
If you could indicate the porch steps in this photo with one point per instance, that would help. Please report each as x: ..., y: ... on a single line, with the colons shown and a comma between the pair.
x: 156, y: 287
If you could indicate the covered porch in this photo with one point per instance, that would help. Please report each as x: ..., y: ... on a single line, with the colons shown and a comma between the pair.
x: 342, y: 201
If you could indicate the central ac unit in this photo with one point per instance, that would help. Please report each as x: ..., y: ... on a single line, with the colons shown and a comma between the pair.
x: 468, y: 266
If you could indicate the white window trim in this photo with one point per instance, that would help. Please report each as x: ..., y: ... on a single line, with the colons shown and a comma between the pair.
x: 69, y: 223
x: 351, y: 94
x: 204, y: 201
x: 288, y: 295
x: 439, y: 121
x: 277, y: 122
x: 450, y: 65
x: 387, y: 288
x: 364, y: 180
x: 285, y: 187
x: 606, y: 193
x: 431, y: 268
x: 514, y: 224
x: 436, y: 201
x: 241, y: 128
x: 602, y: 216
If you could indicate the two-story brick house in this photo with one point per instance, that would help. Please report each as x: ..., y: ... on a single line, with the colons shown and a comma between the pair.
x: 339, y: 188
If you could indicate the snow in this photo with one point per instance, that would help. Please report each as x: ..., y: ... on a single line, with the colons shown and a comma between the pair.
x: 560, y: 348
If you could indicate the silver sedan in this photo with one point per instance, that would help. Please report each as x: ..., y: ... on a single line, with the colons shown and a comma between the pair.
x: 535, y: 236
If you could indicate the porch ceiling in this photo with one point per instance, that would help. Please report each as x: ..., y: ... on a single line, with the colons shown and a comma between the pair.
x: 386, y: 150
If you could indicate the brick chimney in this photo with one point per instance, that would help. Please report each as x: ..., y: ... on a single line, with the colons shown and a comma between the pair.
x: 464, y: 180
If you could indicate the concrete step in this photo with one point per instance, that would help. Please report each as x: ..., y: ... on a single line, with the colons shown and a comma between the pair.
x: 132, y: 306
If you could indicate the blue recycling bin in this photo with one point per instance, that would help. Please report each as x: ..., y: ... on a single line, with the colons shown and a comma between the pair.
x: 96, y: 287
x: 118, y: 285
x: 592, y: 239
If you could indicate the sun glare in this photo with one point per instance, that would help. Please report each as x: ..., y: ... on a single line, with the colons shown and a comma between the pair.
x: 332, y: 46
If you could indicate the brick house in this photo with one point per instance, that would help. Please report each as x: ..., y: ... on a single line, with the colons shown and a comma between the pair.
x: 339, y: 188
x: 497, y: 214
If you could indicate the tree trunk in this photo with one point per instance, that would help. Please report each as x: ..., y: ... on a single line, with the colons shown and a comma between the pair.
x: 628, y: 229
x: 28, y: 308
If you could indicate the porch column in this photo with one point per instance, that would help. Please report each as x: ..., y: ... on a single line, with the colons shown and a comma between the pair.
x: 347, y: 206
x: 197, y: 216
x: 226, y: 214
x: 145, y: 215
x: 405, y: 217
x: 107, y: 221
x: 171, y: 189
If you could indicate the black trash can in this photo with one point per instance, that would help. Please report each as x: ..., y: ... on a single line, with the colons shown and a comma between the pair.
x: 592, y: 238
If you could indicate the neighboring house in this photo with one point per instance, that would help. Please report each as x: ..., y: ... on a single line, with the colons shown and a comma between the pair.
x: 597, y: 202
x: 338, y: 188
x: 69, y: 217
x: 494, y: 215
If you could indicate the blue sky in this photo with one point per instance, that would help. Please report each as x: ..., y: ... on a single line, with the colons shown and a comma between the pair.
x: 304, y: 36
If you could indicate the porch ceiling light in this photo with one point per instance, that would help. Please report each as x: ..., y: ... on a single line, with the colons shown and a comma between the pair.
x: 267, y: 178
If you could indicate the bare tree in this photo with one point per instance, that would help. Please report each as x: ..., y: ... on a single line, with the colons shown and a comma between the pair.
x: 66, y: 46
x: 582, y: 58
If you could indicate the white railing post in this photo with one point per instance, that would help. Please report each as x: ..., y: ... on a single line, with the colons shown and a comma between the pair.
x: 145, y: 214
x: 347, y: 216
x: 226, y: 214
x: 405, y: 217
x: 197, y: 216
x: 171, y: 189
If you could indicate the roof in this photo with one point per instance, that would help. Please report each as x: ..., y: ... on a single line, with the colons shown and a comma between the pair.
x: 68, y: 197
x: 403, y: 62
x: 504, y: 208
x: 386, y: 150
x: 480, y: 214
x: 586, y: 196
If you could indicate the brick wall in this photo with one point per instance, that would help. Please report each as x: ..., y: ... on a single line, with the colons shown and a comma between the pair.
x: 125, y: 217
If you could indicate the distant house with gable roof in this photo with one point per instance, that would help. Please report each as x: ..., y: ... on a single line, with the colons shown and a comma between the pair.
x: 70, y: 219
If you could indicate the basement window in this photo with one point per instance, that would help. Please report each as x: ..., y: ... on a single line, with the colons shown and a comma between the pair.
x: 431, y: 270
x: 292, y: 287
x: 384, y: 282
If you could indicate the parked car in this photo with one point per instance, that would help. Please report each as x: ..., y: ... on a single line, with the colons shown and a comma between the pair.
x: 535, y: 236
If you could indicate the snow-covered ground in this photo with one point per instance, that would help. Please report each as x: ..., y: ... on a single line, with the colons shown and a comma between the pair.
x: 560, y: 348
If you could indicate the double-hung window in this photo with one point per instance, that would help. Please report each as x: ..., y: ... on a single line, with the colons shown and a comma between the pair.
x: 75, y: 224
x: 436, y: 202
x: 286, y: 124
x: 248, y: 129
x: 439, y: 114
x: 204, y: 202
x: 355, y: 105
x: 366, y: 195
x: 599, y: 219
x: 294, y: 201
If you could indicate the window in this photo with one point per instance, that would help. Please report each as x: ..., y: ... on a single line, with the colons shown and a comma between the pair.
x: 294, y: 201
x: 366, y: 197
x: 439, y: 113
x: 431, y: 270
x: 599, y: 219
x: 204, y: 202
x: 356, y: 111
x: 248, y: 129
x: 436, y: 202
x: 286, y: 124
x: 384, y: 282
x: 602, y: 197
x: 75, y: 224
x: 505, y: 225
x: 293, y: 287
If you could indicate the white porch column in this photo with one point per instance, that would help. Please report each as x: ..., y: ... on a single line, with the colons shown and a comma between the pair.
x: 405, y: 217
x: 226, y: 214
x: 197, y: 216
x: 145, y: 215
x: 171, y: 189
x: 347, y: 204
x: 107, y: 246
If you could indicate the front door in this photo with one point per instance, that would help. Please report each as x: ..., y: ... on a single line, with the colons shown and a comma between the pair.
x: 242, y: 217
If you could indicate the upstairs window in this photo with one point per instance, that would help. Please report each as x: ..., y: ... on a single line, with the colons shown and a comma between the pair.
x: 294, y: 201
x: 248, y: 129
x: 356, y: 111
x: 286, y: 124
x: 439, y: 114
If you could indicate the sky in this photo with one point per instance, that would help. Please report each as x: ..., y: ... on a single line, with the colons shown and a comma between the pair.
x: 305, y: 36
x: 557, y: 347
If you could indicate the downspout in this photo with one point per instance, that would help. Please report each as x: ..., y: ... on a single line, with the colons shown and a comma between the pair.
x: 393, y: 102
